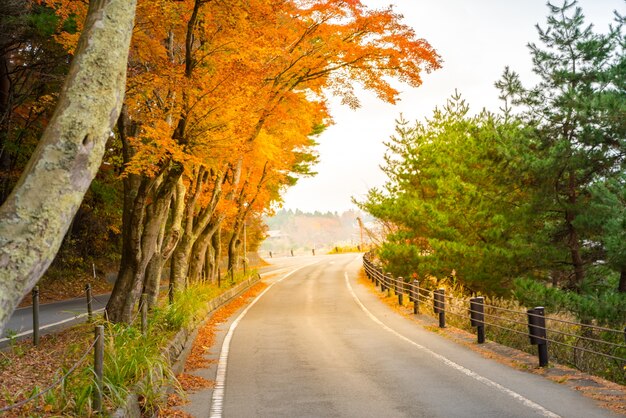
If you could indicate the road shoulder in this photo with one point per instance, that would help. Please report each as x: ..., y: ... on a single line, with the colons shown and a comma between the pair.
x: 606, y: 394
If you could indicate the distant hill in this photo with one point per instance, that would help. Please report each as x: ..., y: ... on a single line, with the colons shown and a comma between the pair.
x: 299, y: 230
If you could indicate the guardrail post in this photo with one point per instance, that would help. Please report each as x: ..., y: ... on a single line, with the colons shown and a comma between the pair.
x: 35, y: 294
x: 416, y: 297
x: 143, y: 306
x: 313, y: 251
x: 400, y: 290
x: 89, y: 302
x: 292, y: 253
x: 98, y: 366
x: 477, y: 317
x: 537, y: 333
x: 389, y: 285
x: 439, y: 304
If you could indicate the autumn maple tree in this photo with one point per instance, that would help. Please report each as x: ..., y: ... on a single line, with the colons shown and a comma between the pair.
x: 223, y: 102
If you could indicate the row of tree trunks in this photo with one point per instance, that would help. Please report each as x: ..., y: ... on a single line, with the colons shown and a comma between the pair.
x: 203, y: 254
x: 146, y: 210
x: 196, y: 223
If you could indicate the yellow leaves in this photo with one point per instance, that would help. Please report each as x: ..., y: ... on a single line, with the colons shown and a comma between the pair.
x: 249, y: 81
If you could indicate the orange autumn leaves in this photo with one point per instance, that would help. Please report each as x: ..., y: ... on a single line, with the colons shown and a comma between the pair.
x: 250, y: 85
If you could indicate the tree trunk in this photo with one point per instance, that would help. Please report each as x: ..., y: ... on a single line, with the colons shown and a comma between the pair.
x: 573, y: 240
x: 216, y: 244
x: 194, y: 225
x: 199, y: 250
x: 145, y: 226
x: 154, y: 269
x: 198, y: 259
x: 233, y: 251
x: 622, y: 281
x: 36, y: 215
x: 209, y: 263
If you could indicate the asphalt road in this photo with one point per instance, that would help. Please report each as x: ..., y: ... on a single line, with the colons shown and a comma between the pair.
x: 318, y: 344
x: 57, y: 315
x: 52, y: 316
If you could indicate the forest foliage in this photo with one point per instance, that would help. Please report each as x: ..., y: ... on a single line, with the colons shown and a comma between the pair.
x: 530, y: 200
x: 224, y: 100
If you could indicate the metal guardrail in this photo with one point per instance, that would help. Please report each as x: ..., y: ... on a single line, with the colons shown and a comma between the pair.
x: 540, y: 329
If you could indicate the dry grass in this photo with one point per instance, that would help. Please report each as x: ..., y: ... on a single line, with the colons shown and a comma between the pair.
x: 608, y: 394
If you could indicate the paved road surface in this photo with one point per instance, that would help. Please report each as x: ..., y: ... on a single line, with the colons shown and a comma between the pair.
x: 53, y: 316
x: 318, y: 344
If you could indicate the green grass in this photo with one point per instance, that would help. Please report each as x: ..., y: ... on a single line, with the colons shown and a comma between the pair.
x: 134, y: 362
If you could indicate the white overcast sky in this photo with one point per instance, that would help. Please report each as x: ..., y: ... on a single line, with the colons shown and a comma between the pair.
x: 476, y: 39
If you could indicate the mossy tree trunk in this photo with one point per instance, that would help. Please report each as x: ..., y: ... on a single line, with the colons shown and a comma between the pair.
x: 37, y: 214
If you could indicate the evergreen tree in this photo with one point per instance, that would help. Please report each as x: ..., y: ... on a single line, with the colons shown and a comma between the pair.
x: 455, y: 192
x: 577, y: 113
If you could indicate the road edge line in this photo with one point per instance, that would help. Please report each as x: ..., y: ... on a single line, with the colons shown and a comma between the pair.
x: 488, y: 382
x: 54, y: 324
x: 217, y: 398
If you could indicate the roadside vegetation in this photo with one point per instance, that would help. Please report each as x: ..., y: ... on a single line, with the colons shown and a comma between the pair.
x: 133, y: 362
x: 528, y: 203
x: 222, y: 106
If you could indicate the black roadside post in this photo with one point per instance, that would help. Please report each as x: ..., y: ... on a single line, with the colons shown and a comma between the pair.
x: 416, y: 297
x: 440, y: 306
x: 271, y: 254
x: 35, y: 294
x: 98, y: 366
x: 400, y: 290
x: 537, y: 333
x: 477, y: 317
x: 313, y: 251
x: 143, y: 306
x: 89, y: 302
x: 292, y: 253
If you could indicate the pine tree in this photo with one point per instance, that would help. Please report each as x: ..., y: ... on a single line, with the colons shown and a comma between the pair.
x: 455, y: 193
x: 577, y: 113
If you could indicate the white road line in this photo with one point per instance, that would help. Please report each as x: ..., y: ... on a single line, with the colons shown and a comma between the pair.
x: 525, y: 401
x: 21, y: 334
x: 217, y: 400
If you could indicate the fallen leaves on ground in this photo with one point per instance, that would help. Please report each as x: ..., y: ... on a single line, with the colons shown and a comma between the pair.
x: 201, y: 346
x: 70, y: 287
x: 610, y: 395
x: 191, y: 382
x: 24, y: 367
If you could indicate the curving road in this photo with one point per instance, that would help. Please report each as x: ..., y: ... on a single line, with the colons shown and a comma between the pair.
x: 58, y: 315
x: 318, y: 344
